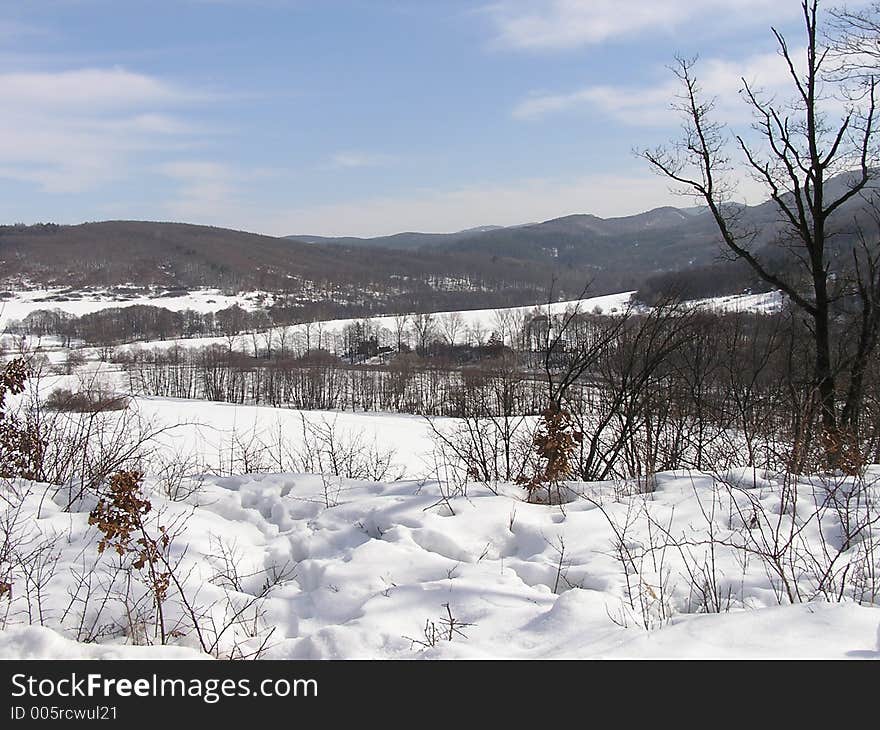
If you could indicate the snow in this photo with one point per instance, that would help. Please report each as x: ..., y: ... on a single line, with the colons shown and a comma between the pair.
x: 216, y: 431
x: 40, y: 642
x: 324, y: 333
x: 371, y: 564
x: 803, y: 631
x: 24, y: 302
x: 211, y: 300
x: 765, y: 303
x: 487, y: 319
x: 376, y: 569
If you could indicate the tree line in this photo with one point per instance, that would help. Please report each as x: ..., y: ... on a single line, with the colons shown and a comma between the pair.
x: 646, y: 391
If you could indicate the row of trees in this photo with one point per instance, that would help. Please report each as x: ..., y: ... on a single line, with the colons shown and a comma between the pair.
x: 266, y: 333
x: 320, y: 380
x: 795, y: 148
x: 116, y: 325
x: 667, y: 389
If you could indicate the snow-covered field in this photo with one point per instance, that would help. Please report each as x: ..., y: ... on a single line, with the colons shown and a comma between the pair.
x: 295, y: 565
x: 217, y: 434
x: 282, y: 564
x: 209, y: 300
x: 380, y: 569
x: 23, y: 302
x: 606, y: 304
x: 766, y: 303
x: 487, y: 319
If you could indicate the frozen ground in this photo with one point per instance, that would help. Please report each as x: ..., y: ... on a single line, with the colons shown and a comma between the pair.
x: 22, y: 303
x: 219, y: 433
x: 766, y: 303
x: 369, y: 570
x: 208, y: 300
x: 488, y: 319
x: 297, y: 565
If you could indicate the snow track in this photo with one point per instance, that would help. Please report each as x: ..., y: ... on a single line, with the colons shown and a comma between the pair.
x: 375, y: 564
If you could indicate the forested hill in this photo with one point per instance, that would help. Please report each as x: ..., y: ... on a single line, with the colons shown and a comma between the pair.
x: 661, y: 249
x: 659, y: 239
x: 478, y: 268
x: 177, y: 256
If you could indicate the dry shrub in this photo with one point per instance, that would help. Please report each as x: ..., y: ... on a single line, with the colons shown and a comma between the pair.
x: 20, y: 446
x: 119, y: 515
x: 556, y: 441
x: 93, y: 400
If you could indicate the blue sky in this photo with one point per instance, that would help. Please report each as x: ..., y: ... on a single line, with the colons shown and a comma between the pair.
x: 357, y: 117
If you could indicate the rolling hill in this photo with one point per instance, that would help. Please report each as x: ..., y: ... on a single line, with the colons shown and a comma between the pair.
x: 663, y: 248
x: 483, y: 267
x: 175, y: 256
x: 659, y: 239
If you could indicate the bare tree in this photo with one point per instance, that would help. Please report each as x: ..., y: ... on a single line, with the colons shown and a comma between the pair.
x: 503, y: 322
x: 799, y: 150
x: 476, y: 334
x: 451, y: 325
x: 423, y: 326
x: 401, y: 324
x: 852, y: 37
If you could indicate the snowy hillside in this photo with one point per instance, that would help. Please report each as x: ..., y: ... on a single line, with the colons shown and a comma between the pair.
x: 298, y: 566
x: 21, y: 304
x: 283, y: 533
x: 18, y: 304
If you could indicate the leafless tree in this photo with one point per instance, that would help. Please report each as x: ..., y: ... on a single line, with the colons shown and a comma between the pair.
x: 451, y: 325
x: 401, y: 325
x: 424, y: 328
x: 852, y: 37
x: 799, y: 150
x: 477, y: 334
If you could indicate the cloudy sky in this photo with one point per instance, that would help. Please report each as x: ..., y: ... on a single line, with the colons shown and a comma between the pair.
x: 357, y: 117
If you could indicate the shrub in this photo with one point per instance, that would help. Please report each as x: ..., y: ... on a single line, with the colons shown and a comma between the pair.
x: 85, y: 401
x: 20, y: 447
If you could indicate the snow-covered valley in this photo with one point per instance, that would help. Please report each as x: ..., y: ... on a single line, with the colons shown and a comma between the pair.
x: 267, y: 558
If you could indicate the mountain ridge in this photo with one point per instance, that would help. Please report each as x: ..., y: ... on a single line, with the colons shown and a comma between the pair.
x: 655, y: 242
x: 481, y: 267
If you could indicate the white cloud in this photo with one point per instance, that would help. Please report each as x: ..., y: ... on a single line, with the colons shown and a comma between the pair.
x: 204, y: 188
x: 70, y: 131
x: 652, y: 104
x: 466, y: 207
x: 190, y: 170
x: 561, y: 24
x: 93, y: 89
x: 353, y: 159
x: 211, y: 192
